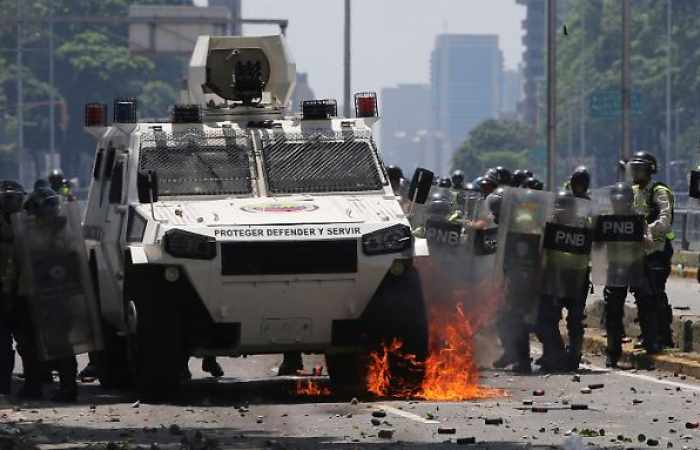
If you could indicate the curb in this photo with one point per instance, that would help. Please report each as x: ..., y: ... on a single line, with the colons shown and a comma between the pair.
x: 680, y: 271
x: 668, y: 361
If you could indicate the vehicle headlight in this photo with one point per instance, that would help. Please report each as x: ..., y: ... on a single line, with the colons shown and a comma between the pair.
x: 183, y: 244
x: 389, y: 240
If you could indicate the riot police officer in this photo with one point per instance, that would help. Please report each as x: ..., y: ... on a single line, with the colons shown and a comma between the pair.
x: 56, y: 180
x: 580, y: 182
x: 533, y: 183
x: 501, y: 175
x: 45, y: 208
x: 11, y: 199
x: 519, y: 177
x: 655, y: 201
x: 566, y: 265
x: 457, y: 179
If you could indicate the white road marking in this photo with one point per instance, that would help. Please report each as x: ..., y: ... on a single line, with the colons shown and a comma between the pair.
x: 404, y: 414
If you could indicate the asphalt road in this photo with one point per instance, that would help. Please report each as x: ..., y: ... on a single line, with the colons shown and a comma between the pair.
x: 251, y: 408
x: 683, y: 294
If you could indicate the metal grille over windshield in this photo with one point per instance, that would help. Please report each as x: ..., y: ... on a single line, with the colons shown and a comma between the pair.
x: 319, y: 163
x: 194, y: 162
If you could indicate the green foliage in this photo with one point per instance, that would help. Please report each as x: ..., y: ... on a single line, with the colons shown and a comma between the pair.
x: 493, y: 143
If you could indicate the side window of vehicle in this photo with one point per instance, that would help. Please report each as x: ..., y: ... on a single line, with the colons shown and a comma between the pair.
x: 115, y: 188
x: 98, y: 164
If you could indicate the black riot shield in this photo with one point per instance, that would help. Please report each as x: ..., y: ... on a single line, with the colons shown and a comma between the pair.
x: 567, y: 248
x: 518, y: 264
x: 618, y: 251
x: 56, y: 282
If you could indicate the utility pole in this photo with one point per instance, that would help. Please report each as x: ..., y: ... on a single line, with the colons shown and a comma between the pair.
x: 551, y: 92
x: 52, y: 96
x: 626, y: 81
x: 667, y: 152
x: 20, y: 96
x: 346, y: 92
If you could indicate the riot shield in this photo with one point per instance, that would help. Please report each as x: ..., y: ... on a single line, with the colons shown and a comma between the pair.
x: 618, y: 254
x: 567, y: 248
x: 481, y: 234
x: 518, y: 266
x: 56, y: 282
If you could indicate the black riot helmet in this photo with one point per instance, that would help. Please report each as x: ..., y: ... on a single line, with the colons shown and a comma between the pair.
x: 580, y: 181
x: 642, y: 166
x: 43, y: 203
x: 11, y: 197
x: 500, y: 175
x: 519, y: 177
x: 458, y: 179
x: 445, y: 183
x: 533, y: 183
x: 395, y: 175
x: 56, y: 179
x: 471, y: 187
x: 621, y: 198
x: 439, y: 206
x: 486, y: 185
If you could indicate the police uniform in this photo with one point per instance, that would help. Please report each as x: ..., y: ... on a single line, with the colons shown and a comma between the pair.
x: 7, y: 354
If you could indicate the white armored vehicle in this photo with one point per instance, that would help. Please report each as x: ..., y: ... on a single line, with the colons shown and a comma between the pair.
x: 233, y: 229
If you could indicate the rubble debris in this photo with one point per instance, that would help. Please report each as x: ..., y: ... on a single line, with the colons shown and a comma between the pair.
x: 652, y: 442
x: 447, y: 430
x: 641, y: 438
x: 579, y: 406
x: 136, y: 404
x: 376, y: 422
x: 637, y: 401
x: 539, y: 409
x: 576, y: 378
x: 538, y: 392
x: 466, y: 441
x: 596, y: 386
x: 493, y: 421
x: 692, y: 425
x: 379, y: 413
x: 527, y: 402
x: 386, y: 434
x: 586, y: 390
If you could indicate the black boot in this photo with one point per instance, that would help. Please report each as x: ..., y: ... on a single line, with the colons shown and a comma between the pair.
x: 68, y: 374
x: 291, y: 364
x: 210, y: 365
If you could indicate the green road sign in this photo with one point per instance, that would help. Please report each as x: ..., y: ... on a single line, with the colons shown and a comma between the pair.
x: 607, y: 103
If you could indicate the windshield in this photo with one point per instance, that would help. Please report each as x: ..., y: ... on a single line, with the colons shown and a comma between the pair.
x: 320, y: 164
x: 197, y: 163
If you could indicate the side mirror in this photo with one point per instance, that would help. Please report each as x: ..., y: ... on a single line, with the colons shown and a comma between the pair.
x: 147, y: 186
x: 421, y: 184
x: 694, y: 186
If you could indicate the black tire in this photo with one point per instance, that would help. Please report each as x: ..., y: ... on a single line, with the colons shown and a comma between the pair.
x: 112, y: 362
x: 397, y: 311
x: 156, y: 349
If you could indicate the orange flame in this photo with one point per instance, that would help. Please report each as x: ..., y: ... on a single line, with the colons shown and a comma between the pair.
x: 451, y: 373
x: 310, y: 388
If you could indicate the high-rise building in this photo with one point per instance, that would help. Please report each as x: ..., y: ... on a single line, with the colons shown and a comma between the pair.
x: 404, y: 134
x: 466, y: 78
x: 511, y: 91
x: 235, y: 7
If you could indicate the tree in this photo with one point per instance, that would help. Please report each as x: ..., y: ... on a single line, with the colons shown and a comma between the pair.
x: 493, y: 143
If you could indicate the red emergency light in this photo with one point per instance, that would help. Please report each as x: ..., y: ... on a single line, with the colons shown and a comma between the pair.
x: 95, y: 115
x: 366, y: 104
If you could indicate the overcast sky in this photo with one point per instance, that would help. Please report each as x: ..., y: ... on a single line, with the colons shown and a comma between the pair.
x: 392, y: 39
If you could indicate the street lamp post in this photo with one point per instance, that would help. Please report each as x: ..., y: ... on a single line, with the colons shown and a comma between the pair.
x: 551, y: 91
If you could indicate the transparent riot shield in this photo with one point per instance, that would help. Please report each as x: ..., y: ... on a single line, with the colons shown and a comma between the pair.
x: 617, y: 256
x: 481, y: 234
x: 567, y: 248
x: 55, y: 280
x: 522, y: 218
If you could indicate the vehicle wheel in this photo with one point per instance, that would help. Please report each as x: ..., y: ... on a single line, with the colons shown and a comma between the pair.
x: 397, y: 311
x: 156, y: 346
x: 112, y: 363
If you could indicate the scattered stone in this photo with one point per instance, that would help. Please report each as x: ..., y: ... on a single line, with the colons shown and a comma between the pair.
x: 175, y: 430
x: 386, y: 434
x: 596, y: 386
x: 493, y: 421
x: 538, y: 392
x: 641, y: 438
x: 576, y: 378
x: 637, y: 401
x: 565, y: 402
x: 136, y: 404
x: 652, y: 442
x: 539, y: 409
x: 692, y: 425
x: 446, y: 430
x: 543, y: 429
x: 354, y: 401
x: 527, y: 402
x: 380, y: 413
x: 579, y: 406
x: 376, y: 422
x: 259, y: 419
x: 466, y: 441
x: 586, y: 390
